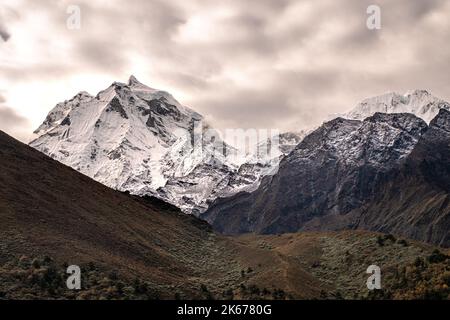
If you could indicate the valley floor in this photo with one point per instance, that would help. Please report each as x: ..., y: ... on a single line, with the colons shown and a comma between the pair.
x: 290, y: 266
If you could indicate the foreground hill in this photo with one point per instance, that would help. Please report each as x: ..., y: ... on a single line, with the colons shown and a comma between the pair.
x: 332, y: 265
x: 133, y: 248
x: 48, y: 209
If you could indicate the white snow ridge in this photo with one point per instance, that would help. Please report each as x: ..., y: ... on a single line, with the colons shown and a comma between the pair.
x: 418, y: 102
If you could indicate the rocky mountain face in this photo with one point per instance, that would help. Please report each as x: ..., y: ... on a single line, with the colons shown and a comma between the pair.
x: 133, y: 138
x: 343, y: 167
x: 414, y: 201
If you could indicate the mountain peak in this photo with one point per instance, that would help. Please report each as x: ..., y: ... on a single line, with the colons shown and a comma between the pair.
x: 83, y: 94
x: 135, y: 138
x: 134, y: 82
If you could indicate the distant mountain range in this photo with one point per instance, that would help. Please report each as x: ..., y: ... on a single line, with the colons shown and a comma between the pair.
x: 358, y: 188
x: 389, y: 173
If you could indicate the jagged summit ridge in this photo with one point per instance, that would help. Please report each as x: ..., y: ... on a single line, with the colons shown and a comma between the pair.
x: 418, y: 102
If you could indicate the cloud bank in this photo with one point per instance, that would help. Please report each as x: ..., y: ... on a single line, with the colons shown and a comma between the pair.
x: 254, y: 64
x: 12, y: 123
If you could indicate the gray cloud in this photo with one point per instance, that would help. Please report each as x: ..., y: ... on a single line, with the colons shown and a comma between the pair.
x: 4, y: 34
x: 247, y: 108
x: 12, y: 123
x: 10, y: 119
x: 255, y: 63
x: 100, y: 53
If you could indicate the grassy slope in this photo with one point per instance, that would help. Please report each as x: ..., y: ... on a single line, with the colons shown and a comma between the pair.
x: 48, y: 209
x: 333, y: 265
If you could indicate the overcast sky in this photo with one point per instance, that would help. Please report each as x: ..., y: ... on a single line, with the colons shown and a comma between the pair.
x: 281, y: 64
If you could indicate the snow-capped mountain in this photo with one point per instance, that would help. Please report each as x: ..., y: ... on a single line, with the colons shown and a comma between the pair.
x: 418, y: 102
x: 133, y: 138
